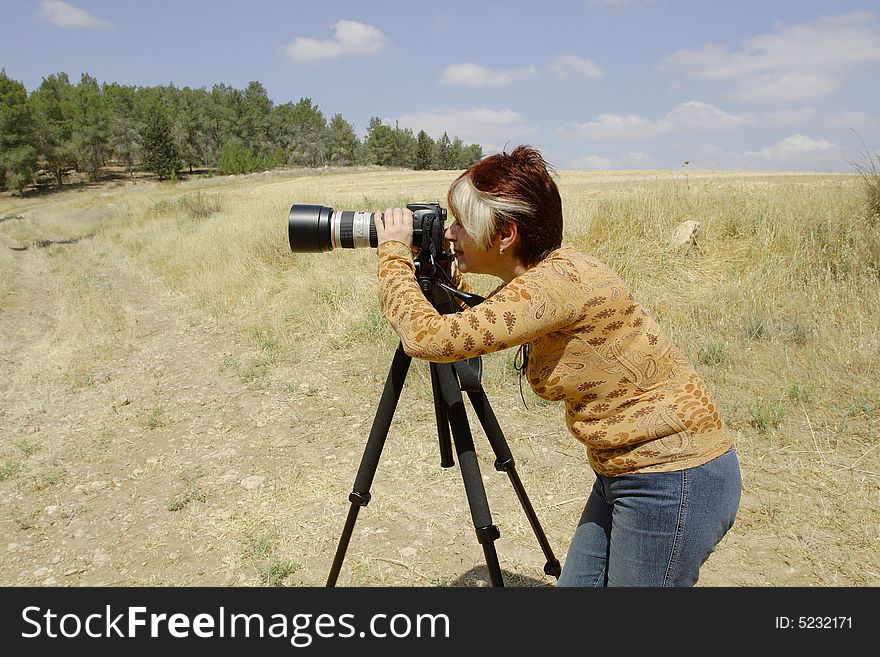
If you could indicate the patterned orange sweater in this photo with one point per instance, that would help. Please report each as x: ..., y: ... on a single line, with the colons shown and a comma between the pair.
x: 630, y: 396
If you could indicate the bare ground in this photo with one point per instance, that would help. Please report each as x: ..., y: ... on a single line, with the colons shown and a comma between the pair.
x: 174, y: 459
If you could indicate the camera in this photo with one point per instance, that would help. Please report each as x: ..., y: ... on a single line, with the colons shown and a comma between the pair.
x: 316, y: 228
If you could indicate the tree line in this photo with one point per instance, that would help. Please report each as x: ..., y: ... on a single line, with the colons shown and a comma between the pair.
x: 62, y: 127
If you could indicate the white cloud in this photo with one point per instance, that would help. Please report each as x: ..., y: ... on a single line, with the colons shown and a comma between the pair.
x: 570, y: 66
x: 786, y: 86
x: 474, y: 75
x: 851, y: 120
x: 814, y: 118
x: 635, y: 159
x: 349, y: 38
x: 692, y: 115
x: 492, y: 129
x: 807, y: 60
x: 64, y: 14
x: 792, y: 148
x: 803, y: 116
x: 696, y: 114
x: 614, y: 126
x: 590, y: 162
x: 631, y: 160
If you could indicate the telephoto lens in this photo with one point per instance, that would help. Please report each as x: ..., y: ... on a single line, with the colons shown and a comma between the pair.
x: 316, y: 228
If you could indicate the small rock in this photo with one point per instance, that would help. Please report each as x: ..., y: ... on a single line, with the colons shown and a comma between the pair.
x: 91, y: 487
x: 684, y: 236
x: 227, y: 453
x: 253, y: 482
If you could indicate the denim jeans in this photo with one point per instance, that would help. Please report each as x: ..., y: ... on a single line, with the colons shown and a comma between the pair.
x: 653, y: 529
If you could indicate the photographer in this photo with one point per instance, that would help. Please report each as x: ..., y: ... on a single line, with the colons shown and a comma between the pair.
x: 667, y: 477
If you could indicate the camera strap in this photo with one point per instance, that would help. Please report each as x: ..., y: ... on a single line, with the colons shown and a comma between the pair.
x: 469, y: 373
x: 520, y: 363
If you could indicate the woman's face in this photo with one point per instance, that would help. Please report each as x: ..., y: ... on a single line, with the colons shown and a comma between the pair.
x: 470, y: 259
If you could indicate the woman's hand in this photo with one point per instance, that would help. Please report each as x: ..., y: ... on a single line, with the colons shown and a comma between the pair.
x: 397, y: 226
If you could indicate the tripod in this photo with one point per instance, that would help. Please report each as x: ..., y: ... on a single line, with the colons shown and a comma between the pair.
x: 448, y: 381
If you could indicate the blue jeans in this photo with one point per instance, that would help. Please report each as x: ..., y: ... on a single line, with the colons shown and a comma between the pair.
x: 653, y: 529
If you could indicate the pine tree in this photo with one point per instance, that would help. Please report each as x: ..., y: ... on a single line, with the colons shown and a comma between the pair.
x: 424, y: 151
x: 188, y: 128
x: 308, y: 127
x: 456, y: 154
x: 219, y: 121
x: 444, y: 153
x: 18, y: 153
x: 160, y: 152
x: 124, y: 129
x: 53, y: 112
x: 405, y: 146
x: 236, y: 158
x: 379, y: 145
x: 342, y: 142
x: 254, y: 118
x: 471, y: 155
x: 91, y: 125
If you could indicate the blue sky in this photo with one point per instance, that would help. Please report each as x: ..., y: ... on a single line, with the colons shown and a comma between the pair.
x: 594, y: 84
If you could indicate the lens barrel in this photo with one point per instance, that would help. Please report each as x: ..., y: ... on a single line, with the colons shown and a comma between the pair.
x: 353, y: 230
x: 316, y: 228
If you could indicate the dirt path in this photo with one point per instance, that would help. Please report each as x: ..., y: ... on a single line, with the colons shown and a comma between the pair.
x: 129, y: 471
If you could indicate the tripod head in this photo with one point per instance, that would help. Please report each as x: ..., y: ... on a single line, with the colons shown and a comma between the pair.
x: 433, y: 260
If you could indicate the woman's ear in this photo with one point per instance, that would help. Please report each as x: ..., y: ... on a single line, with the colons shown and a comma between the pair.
x: 509, y: 239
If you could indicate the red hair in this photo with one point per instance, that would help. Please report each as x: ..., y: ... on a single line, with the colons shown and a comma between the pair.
x: 519, y: 189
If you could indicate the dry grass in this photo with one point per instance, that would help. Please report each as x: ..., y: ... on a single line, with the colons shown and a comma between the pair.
x: 778, y: 307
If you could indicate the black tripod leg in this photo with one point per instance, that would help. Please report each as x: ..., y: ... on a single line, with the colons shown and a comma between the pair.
x: 504, y: 463
x: 446, y: 460
x: 360, y: 496
x: 470, y: 468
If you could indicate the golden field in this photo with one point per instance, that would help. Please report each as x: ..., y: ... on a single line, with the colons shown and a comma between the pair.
x: 185, y: 402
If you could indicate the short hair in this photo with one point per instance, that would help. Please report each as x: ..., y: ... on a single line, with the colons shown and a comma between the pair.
x: 510, y: 188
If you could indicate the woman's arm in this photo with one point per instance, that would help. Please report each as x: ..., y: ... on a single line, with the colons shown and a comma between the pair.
x: 538, y: 302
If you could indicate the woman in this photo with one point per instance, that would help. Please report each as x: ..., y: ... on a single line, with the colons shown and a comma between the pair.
x: 667, y: 477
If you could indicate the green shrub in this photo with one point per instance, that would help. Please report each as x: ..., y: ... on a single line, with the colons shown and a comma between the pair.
x: 236, y: 158
x: 758, y: 328
x: 798, y: 393
x: 712, y: 354
x: 199, y: 206
x: 766, y: 415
